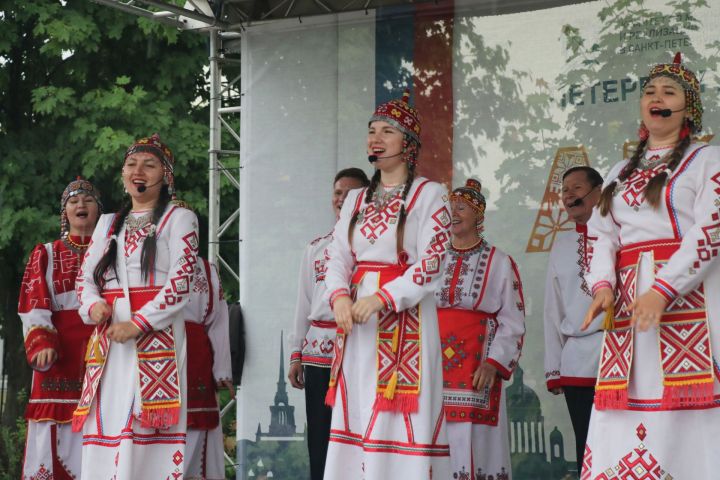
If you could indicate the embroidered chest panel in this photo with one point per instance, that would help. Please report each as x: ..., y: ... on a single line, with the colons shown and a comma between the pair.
x: 66, y: 265
x: 135, y: 239
x: 320, y: 268
x: 374, y: 222
x: 632, y: 190
x: 465, y: 275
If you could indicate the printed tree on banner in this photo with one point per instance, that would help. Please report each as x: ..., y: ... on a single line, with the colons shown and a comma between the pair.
x: 601, y: 88
x: 506, y: 109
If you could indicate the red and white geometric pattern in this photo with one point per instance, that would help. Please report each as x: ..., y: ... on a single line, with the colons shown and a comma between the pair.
x: 435, y: 253
x: 708, y: 246
x: 638, y: 464
x: 375, y: 222
x: 634, y: 187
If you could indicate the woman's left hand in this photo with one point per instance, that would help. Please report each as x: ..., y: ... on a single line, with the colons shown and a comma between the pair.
x: 365, y: 307
x: 229, y: 385
x: 123, y: 331
x: 647, y: 310
x: 484, y: 376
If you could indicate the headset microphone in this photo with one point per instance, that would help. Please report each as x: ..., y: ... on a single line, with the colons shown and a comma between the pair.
x: 579, y: 201
x: 374, y: 158
x: 666, y: 112
x: 143, y: 188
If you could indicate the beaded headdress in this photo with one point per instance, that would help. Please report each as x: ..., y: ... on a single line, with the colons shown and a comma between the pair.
x: 76, y: 187
x: 401, y: 115
x: 470, y: 193
x: 155, y: 146
x: 690, y: 84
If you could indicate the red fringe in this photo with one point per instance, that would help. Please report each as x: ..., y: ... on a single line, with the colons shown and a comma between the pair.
x: 679, y: 396
x: 77, y: 422
x: 160, y: 417
x: 611, y: 399
x: 330, y: 396
x: 401, y: 403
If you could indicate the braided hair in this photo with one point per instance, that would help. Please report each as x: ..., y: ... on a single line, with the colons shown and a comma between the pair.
x: 655, y: 185
x: 149, y: 249
x: 411, y: 150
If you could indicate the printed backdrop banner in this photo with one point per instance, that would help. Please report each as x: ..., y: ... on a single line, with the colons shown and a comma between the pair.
x: 513, y: 100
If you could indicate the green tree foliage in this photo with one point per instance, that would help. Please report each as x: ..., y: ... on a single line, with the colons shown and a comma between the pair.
x: 79, y: 82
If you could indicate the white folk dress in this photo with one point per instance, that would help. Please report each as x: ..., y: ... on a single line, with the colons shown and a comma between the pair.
x: 571, y: 354
x: 48, y: 309
x: 208, y: 364
x: 655, y: 413
x: 482, y: 319
x: 313, y: 337
x: 373, y: 437
x: 118, y: 388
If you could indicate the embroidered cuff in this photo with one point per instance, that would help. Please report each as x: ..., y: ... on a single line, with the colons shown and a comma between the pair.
x: 40, y: 338
x: 601, y: 284
x: 665, y: 290
x: 502, y: 371
x: 386, y: 298
x: 295, y: 357
x: 141, y: 322
x: 340, y: 292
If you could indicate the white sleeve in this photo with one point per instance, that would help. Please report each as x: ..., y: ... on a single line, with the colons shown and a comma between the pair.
x: 504, y: 352
x: 87, y: 290
x: 553, y: 315
x: 340, y: 261
x: 602, y: 251
x: 697, y: 254
x: 182, y: 234
x: 218, y: 329
x: 433, y: 237
x: 302, y: 306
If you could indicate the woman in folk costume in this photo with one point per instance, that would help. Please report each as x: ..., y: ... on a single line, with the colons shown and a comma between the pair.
x: 652, y: 265
x: 56, y: 337
x: 137, y: 277
x: 482, y: 322
x: 208, y: 354
x: 385, y: 258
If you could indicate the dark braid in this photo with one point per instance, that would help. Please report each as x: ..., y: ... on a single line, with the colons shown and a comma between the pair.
x: 400, y: 237
x: 147, y: 257
x: 656, y: 184
x: 108, y: 259
x: 605, y: 203
x: 374, y: 182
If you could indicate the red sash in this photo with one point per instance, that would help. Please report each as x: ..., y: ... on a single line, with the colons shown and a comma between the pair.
x: 202, y: 407
x: 398, y: 348
x: 683, y: 339
x: 55, y: 392
x: 157, y: 367
x: 465, y: 337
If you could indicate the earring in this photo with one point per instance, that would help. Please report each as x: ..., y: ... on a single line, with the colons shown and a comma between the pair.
x: 643, y: 133
x: 685, y: 131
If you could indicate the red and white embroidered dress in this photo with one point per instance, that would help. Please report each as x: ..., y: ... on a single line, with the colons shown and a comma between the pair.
x: 208, y: 350
x: 313, y: 337
x: 374, y: 437
x: 120, y: 390
x: 655, y: 413
x: 48, y: 309
x: 571, y: 355
x: 482, y: 319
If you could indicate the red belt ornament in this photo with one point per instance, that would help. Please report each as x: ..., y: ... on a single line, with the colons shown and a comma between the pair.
x: 684, y: 339
x: 398, y: 347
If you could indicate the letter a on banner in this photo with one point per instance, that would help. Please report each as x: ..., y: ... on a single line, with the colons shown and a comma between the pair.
x: 552, y: 217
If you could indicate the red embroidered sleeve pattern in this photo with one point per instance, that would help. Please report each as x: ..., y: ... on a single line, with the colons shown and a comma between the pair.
x: 387, y: 299
x: 40, y: 338
x: 80, y: 279
x: 180, y: 285
x: 340, y: 292
x: 295, y: 357
x: 601, y: 284
x: 431, y: 263
x: 665, y: 290
x: 34, y: 292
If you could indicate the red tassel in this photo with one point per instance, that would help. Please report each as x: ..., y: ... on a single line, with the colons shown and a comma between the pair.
x: 401, y: 403
x: 160, y: 417
x: 611, y: 399
x: 685, y: 131
x: 330, y: 396
x: 77, y: 422
x: 678, y: 58
x: 698, y: 394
